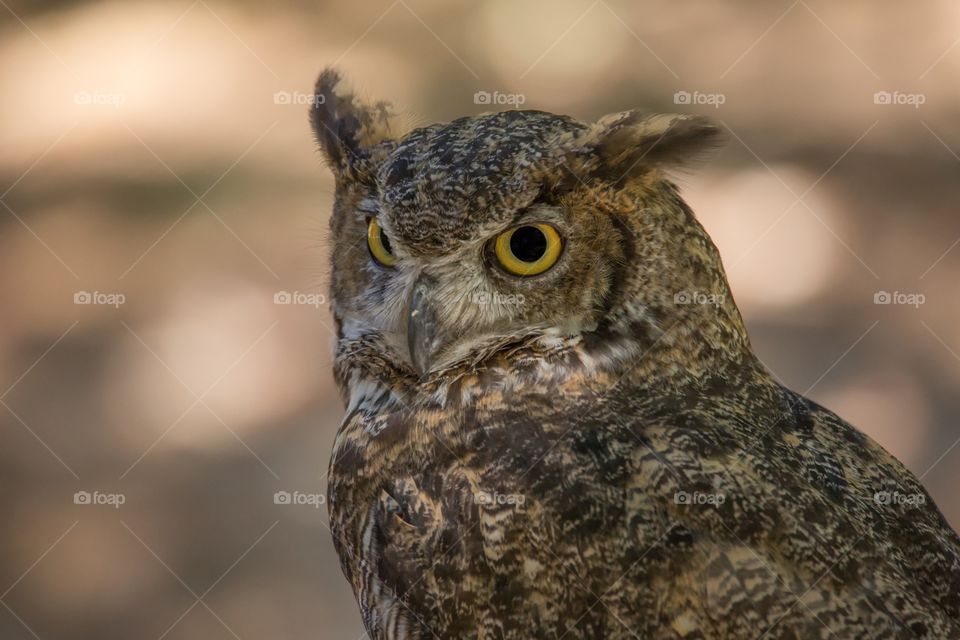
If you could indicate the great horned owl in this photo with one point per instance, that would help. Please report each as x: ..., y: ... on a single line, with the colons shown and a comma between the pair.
x: 555, y: 424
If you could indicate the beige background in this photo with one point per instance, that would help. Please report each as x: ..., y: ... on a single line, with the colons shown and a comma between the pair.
x: 144, y: 154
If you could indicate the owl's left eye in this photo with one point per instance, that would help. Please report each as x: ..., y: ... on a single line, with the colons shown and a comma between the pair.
x: 379, y: 244
x: 528, y: 250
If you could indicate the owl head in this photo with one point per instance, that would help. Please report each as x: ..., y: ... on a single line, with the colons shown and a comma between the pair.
x: 455, y: 243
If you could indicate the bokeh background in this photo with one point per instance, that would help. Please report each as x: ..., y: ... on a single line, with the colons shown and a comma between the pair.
x: 156, y: 163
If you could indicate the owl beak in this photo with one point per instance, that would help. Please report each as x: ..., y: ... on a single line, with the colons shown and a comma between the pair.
x: 422, y: 326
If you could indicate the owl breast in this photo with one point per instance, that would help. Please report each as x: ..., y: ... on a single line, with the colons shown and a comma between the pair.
x: 499, y: 494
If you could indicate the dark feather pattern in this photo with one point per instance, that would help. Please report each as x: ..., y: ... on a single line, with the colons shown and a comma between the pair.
x: 602, y: 547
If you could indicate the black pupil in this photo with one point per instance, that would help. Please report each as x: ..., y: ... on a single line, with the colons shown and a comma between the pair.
x: 528, y: 244
x: 385, y: 241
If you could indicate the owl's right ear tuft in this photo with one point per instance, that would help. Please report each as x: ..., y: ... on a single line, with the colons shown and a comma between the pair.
x: 347, y: 128
x: 632, y: 144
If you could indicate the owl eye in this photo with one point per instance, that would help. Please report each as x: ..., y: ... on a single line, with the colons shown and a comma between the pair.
x: 528, y: 250
x: 379, y: 244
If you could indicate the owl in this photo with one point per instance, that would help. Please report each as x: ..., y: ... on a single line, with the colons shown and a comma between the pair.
x: 555, y: 425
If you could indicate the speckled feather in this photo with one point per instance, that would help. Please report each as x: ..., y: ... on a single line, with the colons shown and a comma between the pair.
x: 588, y: 409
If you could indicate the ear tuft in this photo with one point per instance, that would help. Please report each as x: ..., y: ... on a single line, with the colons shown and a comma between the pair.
x: 632, y: 144
x: 346, y: 127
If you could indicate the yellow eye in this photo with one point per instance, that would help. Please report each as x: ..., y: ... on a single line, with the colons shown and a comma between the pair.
x: 528, y: 250
x: 379, y: 244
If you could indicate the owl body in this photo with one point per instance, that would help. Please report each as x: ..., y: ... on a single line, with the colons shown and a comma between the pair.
x: 555, y: 426
x: 619, y: 511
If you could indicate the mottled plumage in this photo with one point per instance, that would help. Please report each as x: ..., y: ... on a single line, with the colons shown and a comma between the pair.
x: 595, y: 451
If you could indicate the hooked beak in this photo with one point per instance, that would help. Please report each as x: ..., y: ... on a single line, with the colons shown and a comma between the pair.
x: 422, y: 326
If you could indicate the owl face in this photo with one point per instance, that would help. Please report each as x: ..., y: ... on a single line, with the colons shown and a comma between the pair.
x: 544, y: 270
x: 455, y: 241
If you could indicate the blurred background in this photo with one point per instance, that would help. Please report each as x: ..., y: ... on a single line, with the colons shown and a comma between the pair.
x: 166, y: 403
